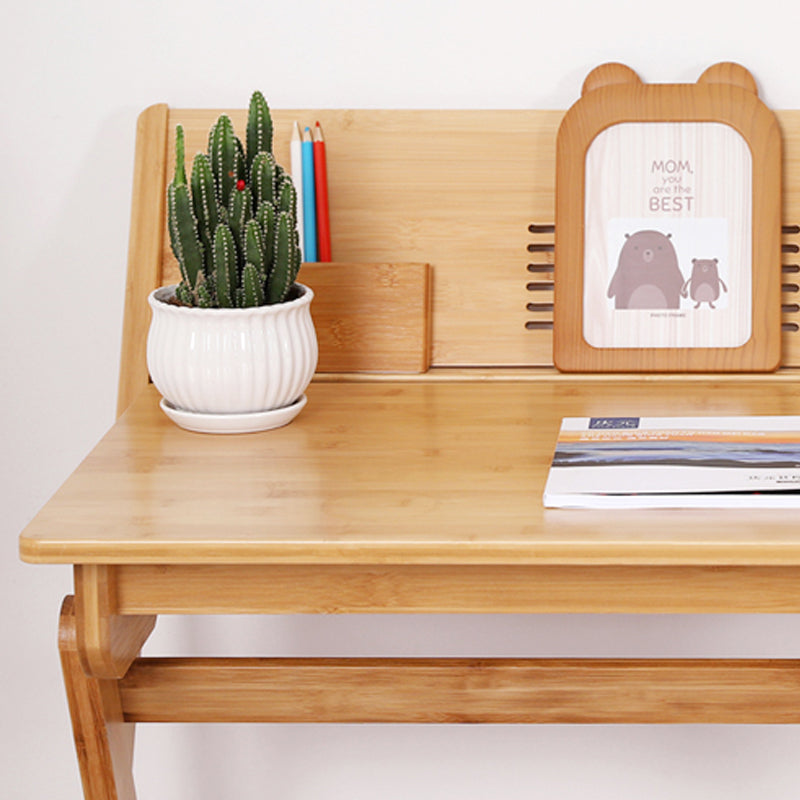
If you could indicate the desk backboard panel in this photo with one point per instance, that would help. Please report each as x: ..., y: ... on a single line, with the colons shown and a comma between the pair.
x: 460, y: 190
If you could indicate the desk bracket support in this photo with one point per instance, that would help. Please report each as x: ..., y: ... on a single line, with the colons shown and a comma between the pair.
x: 97, y: 645
x: 103, y: 739
x: 107, y: 641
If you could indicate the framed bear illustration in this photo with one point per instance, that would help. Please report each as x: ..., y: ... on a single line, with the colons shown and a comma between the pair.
x: 668, y: 226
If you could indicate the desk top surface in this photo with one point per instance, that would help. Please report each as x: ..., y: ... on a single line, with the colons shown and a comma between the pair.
x: 426, y: 472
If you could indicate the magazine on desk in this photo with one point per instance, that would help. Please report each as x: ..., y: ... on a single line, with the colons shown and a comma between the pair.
x: 676, y: 462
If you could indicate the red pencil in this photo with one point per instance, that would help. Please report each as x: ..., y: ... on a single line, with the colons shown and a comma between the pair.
x: 321, y: 187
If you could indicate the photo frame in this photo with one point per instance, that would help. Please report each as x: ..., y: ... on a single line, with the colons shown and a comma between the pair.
x: 668, y: 226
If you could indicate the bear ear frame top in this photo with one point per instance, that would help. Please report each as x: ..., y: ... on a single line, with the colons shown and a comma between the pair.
x: 668, y: 226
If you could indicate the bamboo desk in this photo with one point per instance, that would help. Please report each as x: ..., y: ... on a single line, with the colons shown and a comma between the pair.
x: 416, y: 494
x: 400, y: 496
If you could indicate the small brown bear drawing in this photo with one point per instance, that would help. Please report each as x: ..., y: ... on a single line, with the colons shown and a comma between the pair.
x: 647, y: 274
x: 704, y: 284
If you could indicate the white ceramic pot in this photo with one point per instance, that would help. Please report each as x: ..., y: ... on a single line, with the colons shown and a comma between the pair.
x: 213, y: 364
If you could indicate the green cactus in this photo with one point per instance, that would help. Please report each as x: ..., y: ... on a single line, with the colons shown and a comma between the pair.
x: 204, y: 204
x: 264, y: 178
x: 287, y: 200
x: 233, y: 226
x: 259, y: 128
x: 254, y: 248
x: 253, y: 289
x: 183, y: 232
x: 225, y: 266
x: 240, y: 212
x: 226, y: 158
x: 281, y: 276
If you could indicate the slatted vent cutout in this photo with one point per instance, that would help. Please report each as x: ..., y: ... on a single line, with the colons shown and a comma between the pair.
x: 790, y: 250
x: 540, y: 277
x: 539, y: 283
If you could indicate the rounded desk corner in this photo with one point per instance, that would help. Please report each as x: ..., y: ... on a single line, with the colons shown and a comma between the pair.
x: 29, y: 552
x: 32, y: 552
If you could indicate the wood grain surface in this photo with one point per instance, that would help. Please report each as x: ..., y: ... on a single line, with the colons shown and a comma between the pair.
x: 103, y: 739
x: 371, y: 317
x: 400, y: 192
x: 453, y: 188
x: 454, y: 589
x: 426, y: 690
x: 107, y: 641
x: 399, y: 472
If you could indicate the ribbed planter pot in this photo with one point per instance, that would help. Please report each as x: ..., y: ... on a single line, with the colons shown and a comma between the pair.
x: 232, y: 370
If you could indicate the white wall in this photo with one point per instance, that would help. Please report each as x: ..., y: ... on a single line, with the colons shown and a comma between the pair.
x: 75, y: 76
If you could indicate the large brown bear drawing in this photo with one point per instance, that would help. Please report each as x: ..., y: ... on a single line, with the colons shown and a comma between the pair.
x: 647, y: 274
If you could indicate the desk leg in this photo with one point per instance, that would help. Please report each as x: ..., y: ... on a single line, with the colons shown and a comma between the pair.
x: 104, y: 742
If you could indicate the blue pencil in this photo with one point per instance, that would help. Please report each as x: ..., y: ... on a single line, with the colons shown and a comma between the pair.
x: 309, y: 200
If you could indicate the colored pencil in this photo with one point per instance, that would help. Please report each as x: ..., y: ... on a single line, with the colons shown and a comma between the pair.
x: 321, y: 187
x: 309, y: 200
x: 296, y: 156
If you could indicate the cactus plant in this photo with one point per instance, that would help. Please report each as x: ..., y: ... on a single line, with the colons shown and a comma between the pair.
x: 233, y: 225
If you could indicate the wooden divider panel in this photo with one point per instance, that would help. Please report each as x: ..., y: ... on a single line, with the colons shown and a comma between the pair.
x: 458, y: 190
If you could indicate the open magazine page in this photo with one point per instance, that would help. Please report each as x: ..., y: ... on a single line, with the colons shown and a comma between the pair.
x: 676, y: 462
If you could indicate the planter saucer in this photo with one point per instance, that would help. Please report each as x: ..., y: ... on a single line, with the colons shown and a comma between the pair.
x: 233, y: 423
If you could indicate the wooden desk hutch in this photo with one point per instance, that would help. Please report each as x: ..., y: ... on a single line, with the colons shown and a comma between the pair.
x: 412, y: 481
